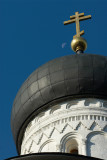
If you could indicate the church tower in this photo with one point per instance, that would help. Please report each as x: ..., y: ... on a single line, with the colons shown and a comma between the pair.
x: 60, y: 111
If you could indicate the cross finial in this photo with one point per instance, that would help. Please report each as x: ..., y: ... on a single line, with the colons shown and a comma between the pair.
x: 78, y: 44
x: 76, y: 18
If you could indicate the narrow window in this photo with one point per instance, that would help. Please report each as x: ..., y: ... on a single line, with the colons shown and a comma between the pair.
x: 91, y: 117
x: 86, y: 117
x: 94, y: 117
x: 98, y: 117
x: 103, y: 118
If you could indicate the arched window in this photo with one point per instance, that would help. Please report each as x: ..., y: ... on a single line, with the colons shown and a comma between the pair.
x: 71, y: 142
x: 72, y: 146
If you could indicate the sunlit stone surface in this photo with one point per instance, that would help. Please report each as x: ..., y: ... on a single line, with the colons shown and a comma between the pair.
x: 79, y: 124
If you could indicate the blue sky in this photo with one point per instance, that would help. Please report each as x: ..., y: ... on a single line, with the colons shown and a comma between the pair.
x: 32, y: 33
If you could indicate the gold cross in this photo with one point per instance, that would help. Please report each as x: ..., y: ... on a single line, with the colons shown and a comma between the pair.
x: 76, y: 18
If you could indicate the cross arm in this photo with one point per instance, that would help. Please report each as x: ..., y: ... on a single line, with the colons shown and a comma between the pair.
x: 81, y: 33
x: 80, y: 15
x: 80, y: 19
x: 85, y: 18
x: 69, y: 21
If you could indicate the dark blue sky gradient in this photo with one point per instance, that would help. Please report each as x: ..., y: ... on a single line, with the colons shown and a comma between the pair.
x: 32, y: 33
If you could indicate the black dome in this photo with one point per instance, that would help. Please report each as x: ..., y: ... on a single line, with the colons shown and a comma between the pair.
x: 83, y: 75
x: 53, y: 156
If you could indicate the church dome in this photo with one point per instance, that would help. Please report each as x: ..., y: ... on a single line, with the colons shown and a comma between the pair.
x: 71, y: 76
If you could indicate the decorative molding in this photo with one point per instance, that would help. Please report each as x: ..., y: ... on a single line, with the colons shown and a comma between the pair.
x: 73, y: 119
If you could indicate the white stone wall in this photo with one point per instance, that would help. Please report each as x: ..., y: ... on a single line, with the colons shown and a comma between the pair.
x: 77, y: 124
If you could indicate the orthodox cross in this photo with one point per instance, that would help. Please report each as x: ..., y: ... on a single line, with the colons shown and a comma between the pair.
x: 76, y: 18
